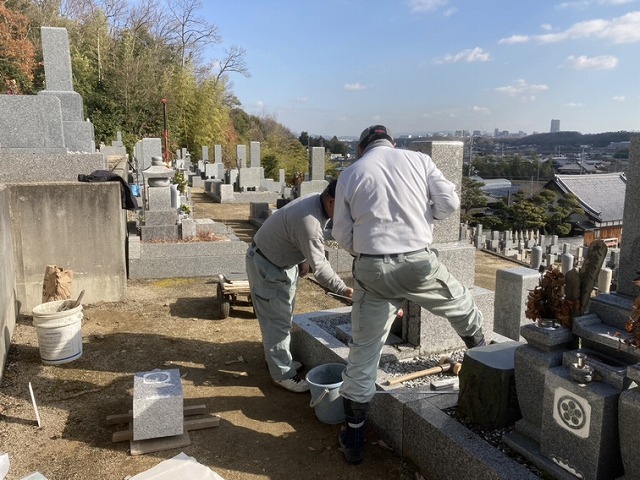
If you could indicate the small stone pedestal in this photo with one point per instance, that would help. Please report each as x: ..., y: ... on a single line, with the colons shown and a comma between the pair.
x: 487, y: 385
x: 157, y: 404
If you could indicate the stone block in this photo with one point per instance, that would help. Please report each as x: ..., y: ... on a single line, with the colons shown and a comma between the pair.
x: 159, y: 233
x: 57, y: 58
x: 316, y: 164
x: 226, y: 193
x: 206, y: 226
x: 158, y: 409
x: 249, y: 178
x: 145, y: 149
x: 487, y: 386
x: 437, y: 335
x: 70, y: 105
x: 241, y: 156
x: 188, y: 229
x: 79, y: 136
x: 314, y: 186
x: 259, y: 210
x: 254, y: 152
x: 579, y: 426
x: 629, y: 256
x: 512, y: 288
x: 158, y: 198
x: 160, y: 217
x: 31, y: 122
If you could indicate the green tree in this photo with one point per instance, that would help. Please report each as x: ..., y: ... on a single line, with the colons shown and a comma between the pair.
x: 471, y: 197
x: 270, y: 165
x: 304, y: 139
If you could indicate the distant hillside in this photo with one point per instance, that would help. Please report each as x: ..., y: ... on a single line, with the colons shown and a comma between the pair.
x: 571, y: 139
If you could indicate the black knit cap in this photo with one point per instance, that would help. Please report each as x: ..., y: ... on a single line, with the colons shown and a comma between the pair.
x: 372, y: 133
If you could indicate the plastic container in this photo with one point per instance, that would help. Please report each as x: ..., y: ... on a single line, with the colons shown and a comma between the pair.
x: 324, y: 382
x: 59, y: 332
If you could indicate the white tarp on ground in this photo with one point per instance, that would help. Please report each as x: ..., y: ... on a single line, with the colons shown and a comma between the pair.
x: 180, y: 466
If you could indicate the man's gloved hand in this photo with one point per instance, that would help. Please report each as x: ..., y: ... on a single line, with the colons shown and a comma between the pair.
x: 303, y: 269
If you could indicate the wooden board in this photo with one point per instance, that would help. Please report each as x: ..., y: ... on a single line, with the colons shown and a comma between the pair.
x: 122, y: 418
x: 151, y: 445
x: 139, y: 447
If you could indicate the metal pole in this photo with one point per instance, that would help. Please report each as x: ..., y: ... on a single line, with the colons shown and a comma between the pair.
x: 165, y: 132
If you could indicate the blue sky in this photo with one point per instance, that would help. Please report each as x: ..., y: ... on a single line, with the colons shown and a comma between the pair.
x: 337, y: 66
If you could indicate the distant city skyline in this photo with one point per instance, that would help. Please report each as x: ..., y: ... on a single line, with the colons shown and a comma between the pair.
x: 336, y: 67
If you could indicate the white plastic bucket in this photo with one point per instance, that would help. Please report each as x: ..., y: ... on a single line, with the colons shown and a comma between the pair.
x: 324, y: 382
x: 59, y: 333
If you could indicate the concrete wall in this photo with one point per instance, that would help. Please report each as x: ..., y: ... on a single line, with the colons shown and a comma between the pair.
x: 74, y: 225
x: 7, y: 278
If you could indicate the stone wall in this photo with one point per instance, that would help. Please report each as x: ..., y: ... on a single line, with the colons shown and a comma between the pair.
x: 77, y: 226
x: 7, y: 278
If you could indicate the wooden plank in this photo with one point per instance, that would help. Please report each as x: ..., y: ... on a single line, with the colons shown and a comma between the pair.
x: 151, y: 445
x: 200, y: 423
x: 121, y: 418
x: 192, y: 424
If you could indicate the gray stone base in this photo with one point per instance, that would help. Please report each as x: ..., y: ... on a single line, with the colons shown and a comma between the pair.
x: 410, y: 421
x: 185, y: 259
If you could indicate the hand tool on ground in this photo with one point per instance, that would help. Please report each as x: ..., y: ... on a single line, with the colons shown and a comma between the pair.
x: 445, y: 364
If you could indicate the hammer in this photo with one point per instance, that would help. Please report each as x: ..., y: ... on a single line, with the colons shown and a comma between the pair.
x: 444, y: 365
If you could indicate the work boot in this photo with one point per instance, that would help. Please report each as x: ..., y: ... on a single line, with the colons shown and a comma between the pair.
x: 475, y: 340
x: 351, y: 436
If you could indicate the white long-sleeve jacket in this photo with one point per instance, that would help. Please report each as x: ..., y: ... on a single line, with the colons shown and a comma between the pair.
x: 387, y: 200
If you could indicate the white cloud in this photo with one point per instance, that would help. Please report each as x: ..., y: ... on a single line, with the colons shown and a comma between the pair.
x: 450, y: 11
x: 547, y: 27
x: 302, y: 100
x: 624, y: 29
x: 514, y: 39
x: 588, y: 3
x: 354, y: 86
x: 260, y: 104
x: 426, y: 6
x: 469, y: 55
x: 582, y: 62
x: 483, y: 110
x: 376, y: 118
x: 522, y: 89
x: 573, y: 105
x: 619, y: 98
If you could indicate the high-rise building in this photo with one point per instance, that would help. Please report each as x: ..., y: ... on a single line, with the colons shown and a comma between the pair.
x: 555, y: 126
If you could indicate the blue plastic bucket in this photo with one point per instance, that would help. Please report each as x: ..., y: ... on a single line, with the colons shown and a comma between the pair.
x: 324, y: 382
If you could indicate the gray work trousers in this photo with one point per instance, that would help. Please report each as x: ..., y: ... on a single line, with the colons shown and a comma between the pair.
x: 381, y: 285
x: 273, y: 292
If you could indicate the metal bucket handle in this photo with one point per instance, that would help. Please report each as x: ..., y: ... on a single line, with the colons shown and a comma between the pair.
x: 313, y: 402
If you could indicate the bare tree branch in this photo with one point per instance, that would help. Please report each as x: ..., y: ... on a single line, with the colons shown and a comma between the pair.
x: 233, y: 61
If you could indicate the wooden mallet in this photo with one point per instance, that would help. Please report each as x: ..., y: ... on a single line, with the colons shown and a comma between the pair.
x: 445, y: 364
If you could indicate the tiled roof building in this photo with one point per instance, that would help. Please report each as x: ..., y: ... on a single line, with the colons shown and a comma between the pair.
x: 601, y: 196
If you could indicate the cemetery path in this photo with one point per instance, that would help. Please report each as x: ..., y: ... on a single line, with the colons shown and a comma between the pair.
x: 265, y: 432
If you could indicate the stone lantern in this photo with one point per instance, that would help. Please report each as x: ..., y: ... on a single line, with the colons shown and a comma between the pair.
x: 157, y: 175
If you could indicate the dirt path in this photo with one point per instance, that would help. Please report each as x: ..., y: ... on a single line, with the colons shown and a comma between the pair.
x: 265, y: 432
